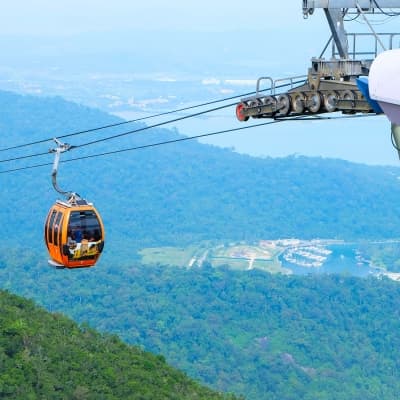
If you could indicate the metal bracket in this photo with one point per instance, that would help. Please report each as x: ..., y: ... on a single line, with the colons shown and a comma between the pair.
x: 335, y: 21
x: 61, y: 148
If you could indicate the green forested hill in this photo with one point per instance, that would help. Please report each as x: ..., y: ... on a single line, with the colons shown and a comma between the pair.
x: 185, y: 192
x: 268, y: 337
x: 47, y: 356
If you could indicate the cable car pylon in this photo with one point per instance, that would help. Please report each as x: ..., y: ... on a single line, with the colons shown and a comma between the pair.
x: 331, y: 81
x: 74, y: 231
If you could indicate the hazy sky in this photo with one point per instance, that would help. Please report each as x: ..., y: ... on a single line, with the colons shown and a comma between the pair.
x: 74, y: 16
x: 78, y: 16
x: 88, y: 26
x: 271, y: 32
x: 123, y: 24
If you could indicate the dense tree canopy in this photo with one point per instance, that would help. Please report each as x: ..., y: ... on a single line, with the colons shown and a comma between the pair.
x: 265, y: 336
x: 47, y: 356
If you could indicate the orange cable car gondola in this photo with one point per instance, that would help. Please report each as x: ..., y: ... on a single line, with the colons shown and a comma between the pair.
x: 74, y: 231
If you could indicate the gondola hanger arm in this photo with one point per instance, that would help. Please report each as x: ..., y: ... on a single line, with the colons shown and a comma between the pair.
x: 61, y: 148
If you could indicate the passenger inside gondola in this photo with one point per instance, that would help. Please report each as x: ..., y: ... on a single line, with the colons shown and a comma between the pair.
x: 85, y: 231
x: 71, y: 242
x: 78, y: 235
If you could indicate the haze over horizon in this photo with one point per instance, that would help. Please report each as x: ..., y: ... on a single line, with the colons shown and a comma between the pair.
x: 113, y: 55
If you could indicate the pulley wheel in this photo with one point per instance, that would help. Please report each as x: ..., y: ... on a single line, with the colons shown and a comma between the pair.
x: 330, y: 101
x: 239, y: 113
x: 348, y: 95
x: 283, y: 105
x: 314, y: 102
x: 298, y: 101
x: 268, y: 100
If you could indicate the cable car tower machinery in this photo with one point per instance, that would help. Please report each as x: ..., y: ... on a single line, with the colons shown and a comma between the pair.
x: 330, y: 85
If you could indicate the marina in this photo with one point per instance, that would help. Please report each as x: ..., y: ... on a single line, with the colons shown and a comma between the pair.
x: 343, y: 258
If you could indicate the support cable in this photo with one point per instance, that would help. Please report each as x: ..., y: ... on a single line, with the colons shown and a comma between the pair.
x: 391, y: 14
x: 277, y: 120
x: 142, y: 118
x: 123, y: 133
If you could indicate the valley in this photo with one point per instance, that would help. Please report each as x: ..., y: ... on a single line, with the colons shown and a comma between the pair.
x: 285, y: 256
x: 189, y: 249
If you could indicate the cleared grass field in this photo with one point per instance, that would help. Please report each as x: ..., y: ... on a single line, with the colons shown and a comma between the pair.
x: 237, y: 256
x: 180, y: 257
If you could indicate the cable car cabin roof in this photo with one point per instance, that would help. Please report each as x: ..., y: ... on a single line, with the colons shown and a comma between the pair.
x: 77, y: 202
x: 74, y: 234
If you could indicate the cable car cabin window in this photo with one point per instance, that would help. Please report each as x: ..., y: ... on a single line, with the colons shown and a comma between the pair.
x: 46, y: 229
x: 57, y: 229
x: 84, y: 225
x: 50, y: 227
x: 84, y: 235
